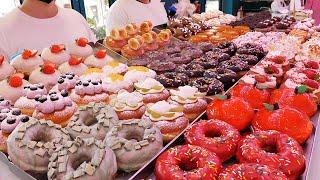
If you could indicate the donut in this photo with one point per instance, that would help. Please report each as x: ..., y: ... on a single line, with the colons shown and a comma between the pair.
x: 92, y: 120
x: 82, y: 159
x: 210, y: 86
x: 31, y: 144
x: 205, y: 46
x: 192, y: 69
x: 179, y: 58
x: 115, y: 41
x: 134, y: 143
x: 252, y: 49
x: 207, y: 63
x: 146, y: 27
x: 171, y: 49
x: 139, y: 61
x: 4, y: 104
x: 251, y: 171
x: 273, y: 149
x: 217, y: 56
x: 156, y: 55
x: 67, y: 82
x: 192, y: 52
x: 235, y: 65
x: 132, y: 30
x: 173, y: 79
x: 227, y: 47
x: 150, y: 41
x: 250, y: 59
x: 133, y: 48
x: 162, y: 66
x: 151, y: 90
x: 216, y: 136
x: 187, y: 162
x: 226, y: 76
x: 163, y: 38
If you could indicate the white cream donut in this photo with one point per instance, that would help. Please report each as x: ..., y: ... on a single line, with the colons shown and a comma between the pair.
x: 48, y: 55
x: 49, y: 80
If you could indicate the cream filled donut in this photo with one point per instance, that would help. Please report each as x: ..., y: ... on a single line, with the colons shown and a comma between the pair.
x: 66, y: 82
x: 117, y: 39
x: 4, y: 104
x: 6, y: 69
x: 92, y: 120
x: 260, y: 81
x: 26, y: 62
x: 151, y: 90
x: 56, y: 106
x: 31, y: 144
x: 93, y: 74
x: 168, y: 117
x: 113, y: 83
x: 132, y: 30
x: 80, y: 47
x: 74, y: 65
x: 134, y: 142
x: 12, y: 88
x: 87, y: 91
x: 55, y: 54
x: 115, y: 67
x: 268, y: 67
x: 128, y: 105
x: 139, y: 73
x: 27, y: 102
x: 82, y: 159
x: 191, y: 99
x: 98, y: 59
x: 46, y: 75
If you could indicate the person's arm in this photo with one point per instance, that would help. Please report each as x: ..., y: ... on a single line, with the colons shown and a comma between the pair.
x: 117, y: 18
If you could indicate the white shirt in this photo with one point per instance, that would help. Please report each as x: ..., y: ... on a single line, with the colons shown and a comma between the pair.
x: 123, y: 12
x: 19, y: 31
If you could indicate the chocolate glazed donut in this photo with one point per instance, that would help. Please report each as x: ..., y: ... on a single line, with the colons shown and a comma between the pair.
x: 228, y: 47
x: 162, y: 66
x: 210, y: 86
x: 173, y: 79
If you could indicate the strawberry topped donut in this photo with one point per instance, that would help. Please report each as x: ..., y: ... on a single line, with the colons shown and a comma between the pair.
x: 55, y: 54
x: 98, y: 59
x: 12, y: 88
x: 6, y: 69
x: 117, y: 39
x: 115, y: 67
x: 139, y: 73
x: 269, y: 68
x: 74, y: 65
x: 268, y: 82
x: 80, y: 47
x: 113, y: 83
x: 26, y: 62
x: 46, y: 75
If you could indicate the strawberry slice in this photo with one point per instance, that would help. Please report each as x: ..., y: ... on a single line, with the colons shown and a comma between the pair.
x: 1, y: 59
x: 271, y: 69
x: 82, y: 42
x: 29, y: 53
x: 73, y: 61
x: 278, y: 59
x: 48, y: 68
x: 101, y: 53
x: 56, y: 48
x: 311, y: 74
x: 312, y: 65
x: 15, y: 80
x: 261, y: 78
x: 311, y: 83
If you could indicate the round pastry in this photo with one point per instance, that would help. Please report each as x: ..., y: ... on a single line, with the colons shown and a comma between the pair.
x: 155, y: 56
x: 150, y: 41
x: 140, y: 61
x: 227, y: 47
x: 92, y: 120
x: 87, y: 91
x: 233, y: 110
x: 226, y: 76
x: 139, y: 73
x: 163, y: 38
x: 187, y: 162
x: 4, y: 104
x: 296, y: 98
x: 146, y: 27
x: 284, y: 153
x: 115, y: 67
x: 172, y: 49
x: 113, y: 83
x: 253, y: 95
x: 31, y: 144
x: 66, y: 82
x: 200, y: 38
x: 117, y: 39
x: 182, y: 33
x: 56, y: 54
x: 207, y: 62
x: 6, y: 69
x: 80, y: 48
x: 238, y: 66
x: 151, y: 90
x: 128, y: 105
x: 168, y: 117
x: 252, y: 49
x: 26, y: 62
x: 133, y: 49
x: 192, y: 52
x: 192, y: 69
x: 27, y: 102
x: 178, y: 58
x: 250, y: 59
x: 12, y: 88
x: 134, y: 142
x: 218, y: 56
x: 205, y: 46
x: 93, y: 74
x: 173, y: 79
x: 74, y: 65
x: 82, y: 159
x: 264, y: 26
x: 57, y: 107
x: 260, y: 81
x: 98, y: 59
x: 132, y: 30
x: 162, y: 66
x: 216, y: 136
x: 251, y: 171
x: 47, y: 75
x: 210, y: 86
x: 268, y: 68
x: 190, y: 99
x: 285, y: 120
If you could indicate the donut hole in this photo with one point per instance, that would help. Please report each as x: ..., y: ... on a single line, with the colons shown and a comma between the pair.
x: 88, y: 119
x: 41, y: 135
x: 270, y: 148
x: 188, y: 165
x: 79, y: 159
x: 212, y: 134
x: 133, y: 135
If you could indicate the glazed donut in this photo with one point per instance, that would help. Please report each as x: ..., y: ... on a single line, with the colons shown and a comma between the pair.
x: 226, y: 76
x: 132, y: 29
x: 92, y: 120
x: 150, y: 41
x: 251, y: 171
x: 156, y: 56
x: 133, y: 48
x: 205, y: 46
x: 82, y: 159
x: 4, y: 104
x: 192, y: 69
x: 146, y: 27
x: 216, y: 136
x: 250, y: 59
x: 210, y: 86
x: 287, y: 155
x: 31, y: 144
x: 173, y: 79
x: 178, y: 58
x: 227, y: 47
x: 207, y: 63
x: 187, y: 162
x: 134, y: 142
x: 238, y: 66
x: 162, y: 66
x: 217, y: 56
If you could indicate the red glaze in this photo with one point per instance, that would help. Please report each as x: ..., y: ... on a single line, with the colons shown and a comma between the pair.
x: 285, y: 120
x: 29, y: 53
x: 57, y: 48
x: 15, y: 80
x: 1, y: 59
x: 288, y: 156
x: 261, y: 78
x: 216, y: 136
x: 251, y: 171
x: 271, y: 69
x: 254, y: 96
x: 310, y: 73
x: 48, y: 68
x: 311, y: 83
x: 312, y: 64
x: 101, y: 53
x: 290, y: 97
x: 187, y: 162
x: 235, y: 111
x: 73, y: 61
x: 82, y: 42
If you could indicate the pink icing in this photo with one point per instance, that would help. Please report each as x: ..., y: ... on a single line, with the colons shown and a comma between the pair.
x: 8, y: 128
x: 4, y: 104
x: 32, y: 94
x: 68, y: 83
x: 89, y: 90
x: 50, y: 106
